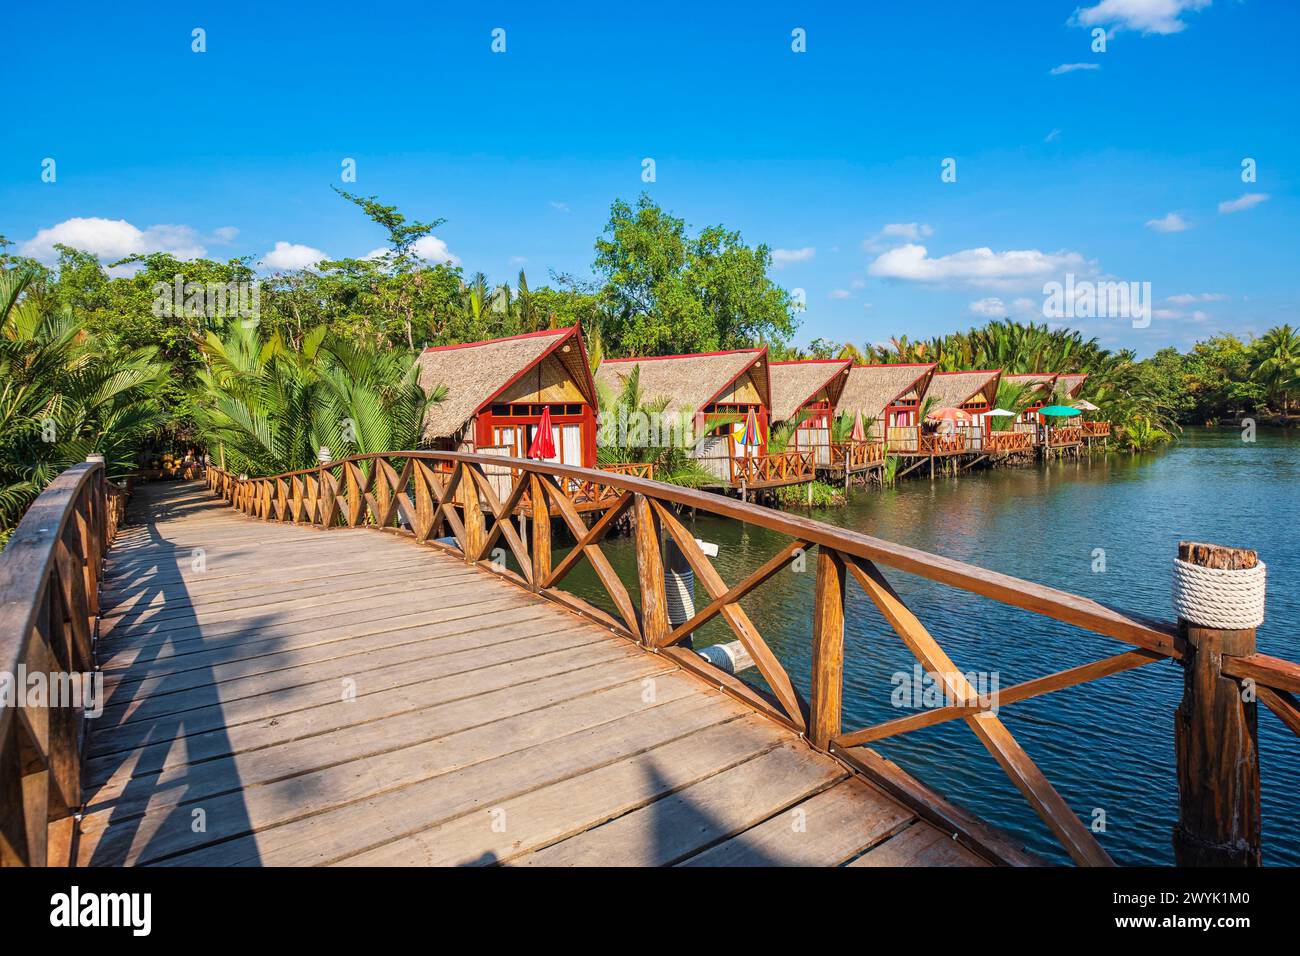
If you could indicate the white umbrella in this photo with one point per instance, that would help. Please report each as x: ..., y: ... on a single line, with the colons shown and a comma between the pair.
x: 996, y: 411
x: 1086, y: 406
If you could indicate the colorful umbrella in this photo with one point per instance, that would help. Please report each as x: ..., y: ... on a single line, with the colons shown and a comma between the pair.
x: 543, y: 445
x: 751, y: 437
x: 949, y: 415
x: 1059, y: 411
x: 859, y: 433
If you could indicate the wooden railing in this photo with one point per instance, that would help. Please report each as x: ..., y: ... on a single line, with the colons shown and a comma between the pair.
x: 856, y: 455
x: 1010, y: 441
x: 785, y: 466
x: 912, y: 440
x: 1065, y: 435
x: 1096, y: 429
x: 49, y: 614
x: 376, y: 489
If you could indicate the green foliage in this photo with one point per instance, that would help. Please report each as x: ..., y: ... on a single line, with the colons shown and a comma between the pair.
x: 666, y: 292
x: 627, y: 435
x: 266, y: 407
x: 64, y: 396
x: 822, y: 494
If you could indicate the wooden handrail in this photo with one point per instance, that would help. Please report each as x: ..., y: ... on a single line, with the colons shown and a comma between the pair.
x: 453, y: 498
x: 49, y: 610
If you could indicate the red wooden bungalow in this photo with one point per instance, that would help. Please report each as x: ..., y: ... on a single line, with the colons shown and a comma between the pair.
x: 497, y: 391
x: 889, y: 396
x: 808, y: 389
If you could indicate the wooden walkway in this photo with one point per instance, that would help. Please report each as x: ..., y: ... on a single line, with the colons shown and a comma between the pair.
x: 271, y: 700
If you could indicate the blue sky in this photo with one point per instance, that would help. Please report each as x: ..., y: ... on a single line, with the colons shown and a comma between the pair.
x: 1115, y: 167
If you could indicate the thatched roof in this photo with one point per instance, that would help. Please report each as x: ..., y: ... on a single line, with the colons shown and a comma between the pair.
x: 688, y: 382
x: 794, y: 384
x: 954, y: 389
x: 1069, y: 383
x: 868, y: 389
x: 476, y: 372
x: 1041, y: 382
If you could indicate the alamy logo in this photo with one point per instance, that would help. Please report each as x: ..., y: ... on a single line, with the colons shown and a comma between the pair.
x: 1086, y: 299
x: 210, y: 300
x: 74, y: 908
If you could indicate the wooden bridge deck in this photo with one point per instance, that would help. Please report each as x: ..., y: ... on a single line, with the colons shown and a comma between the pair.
x: 271, y: 700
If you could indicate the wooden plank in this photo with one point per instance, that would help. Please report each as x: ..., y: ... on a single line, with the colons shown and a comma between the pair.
x: 377, y: 756
x: 140, y: 729
x: 479, y: 626
x: 919, y: 845
x: 680, y: 824
x: 154, y: 756
x: 571, y: 805
x: 825, y: 830
x: 308, y: 836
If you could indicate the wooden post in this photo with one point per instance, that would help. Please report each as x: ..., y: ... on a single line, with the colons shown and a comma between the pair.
x: 1215, y: 738
x: 475, y: 526
x: 827, y: 685
x: 541, y: 533
x: 650, y: 574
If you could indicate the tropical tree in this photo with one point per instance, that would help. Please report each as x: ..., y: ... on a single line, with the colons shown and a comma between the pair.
x: 63, y: 396
x: 265, y: 408
x: 1278, y: 350
x: 628, y: 434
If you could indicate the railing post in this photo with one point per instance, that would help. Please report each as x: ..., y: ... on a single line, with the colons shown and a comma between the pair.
x: 827, y: 685
x: 1215, y: 725
x: 650, y: 574
x: 541, y: 550
x: 475, y: 528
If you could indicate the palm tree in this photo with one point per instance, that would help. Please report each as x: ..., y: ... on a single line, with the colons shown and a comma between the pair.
x: 1280, y: 367
x: 271, y: 408
x: 627, y: 435
x: 64, y: 396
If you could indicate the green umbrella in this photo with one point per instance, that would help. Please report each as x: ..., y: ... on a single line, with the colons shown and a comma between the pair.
x: 1059, y: 411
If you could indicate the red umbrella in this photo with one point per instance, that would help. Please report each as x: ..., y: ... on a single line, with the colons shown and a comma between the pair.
x: 859, y: 433
x: 543, y: 445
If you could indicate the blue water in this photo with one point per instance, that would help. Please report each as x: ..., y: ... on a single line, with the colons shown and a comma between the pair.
x: 1107, y: 746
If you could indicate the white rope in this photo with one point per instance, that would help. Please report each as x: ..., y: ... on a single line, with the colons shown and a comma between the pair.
x: 1212, y: 597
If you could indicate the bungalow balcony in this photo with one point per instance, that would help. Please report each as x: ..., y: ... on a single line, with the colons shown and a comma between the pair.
x: 761, y: 471
x: 1062, y: 436
x: 910, y: 441
x: 853, y: 456
x: 1096, y: 429
x: 1008, y: 442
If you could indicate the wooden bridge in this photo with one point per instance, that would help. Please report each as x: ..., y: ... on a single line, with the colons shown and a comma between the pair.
x: 289, y: 678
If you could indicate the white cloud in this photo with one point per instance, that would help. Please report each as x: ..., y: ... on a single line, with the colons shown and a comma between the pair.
x: 430, y: 249
x: 225, y: 234
x: 990, y: 308
x: 841, y: 294
x: 1072, y: 67
x: 112, y: 239
x: 1169, y: 223
x: 1187, y: 298
x: 894, y: 233
x: 1052, y: 137
x: 980, y: 267
x: 1245, y: 201
x: 433, y: 249
x: 784, y: 257
x: 518, y: 260
x: 559, y: 206
x: 288, y: 256
x: 1146, y: 16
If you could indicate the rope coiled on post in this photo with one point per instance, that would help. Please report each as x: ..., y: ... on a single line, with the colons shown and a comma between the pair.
x: 1225, y: 600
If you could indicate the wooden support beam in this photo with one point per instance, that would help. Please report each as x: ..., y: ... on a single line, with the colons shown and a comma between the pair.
x: 650, y: 573
x: 1215, y: 737
x: 826, y: 689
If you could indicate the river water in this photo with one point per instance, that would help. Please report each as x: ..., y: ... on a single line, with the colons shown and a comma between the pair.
x: 1105, y: 528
